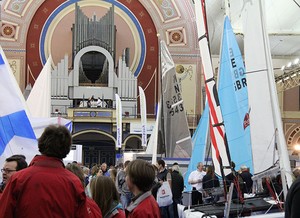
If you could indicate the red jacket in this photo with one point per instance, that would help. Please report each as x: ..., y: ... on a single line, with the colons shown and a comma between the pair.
x: 92, y: 209
x: 45, y: 189
x: 120, y: 214
x: 144, y: 206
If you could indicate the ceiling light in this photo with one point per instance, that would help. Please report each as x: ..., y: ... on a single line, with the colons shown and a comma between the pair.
x: 296, y: 61
x: 282, y: 68
x: 289, y: 64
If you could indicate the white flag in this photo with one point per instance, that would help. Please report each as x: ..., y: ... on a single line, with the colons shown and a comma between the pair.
x: 16, y: 133
x: 119, y: 121
x: 143, y: 116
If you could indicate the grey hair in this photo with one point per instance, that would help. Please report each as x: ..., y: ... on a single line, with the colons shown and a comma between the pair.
x: 175, y: 167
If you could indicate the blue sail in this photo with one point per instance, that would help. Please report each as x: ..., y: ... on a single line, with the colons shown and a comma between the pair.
x: 199, y: 141
x: 233, y: 95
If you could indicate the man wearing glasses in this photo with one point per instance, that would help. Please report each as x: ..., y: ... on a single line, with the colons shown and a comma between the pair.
x: 11, y: 166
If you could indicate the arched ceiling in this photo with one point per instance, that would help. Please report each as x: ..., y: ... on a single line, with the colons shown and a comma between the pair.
x: 172, y: 21
x: 174, y: 16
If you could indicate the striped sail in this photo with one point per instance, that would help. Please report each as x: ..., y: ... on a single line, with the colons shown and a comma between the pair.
x: 220, y: 153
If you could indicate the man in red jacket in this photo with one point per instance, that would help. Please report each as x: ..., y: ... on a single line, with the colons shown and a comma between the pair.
x: 140, y: 177
x: 46, y: 188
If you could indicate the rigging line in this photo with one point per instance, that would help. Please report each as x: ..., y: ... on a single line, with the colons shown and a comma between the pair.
x: 154, y: 73
x: 29, y: 69
x: 296, y: 3
x: 260, y: 70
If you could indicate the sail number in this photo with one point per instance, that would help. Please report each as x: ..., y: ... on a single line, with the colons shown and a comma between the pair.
x: 174, y: 108
x: 238, y: 72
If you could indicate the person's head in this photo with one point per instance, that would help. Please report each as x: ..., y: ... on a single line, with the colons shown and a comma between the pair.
x: 104, y: 192
x: 85, y: 170
x: 200, y: 166
x: 126, y: 163
x: 296, y: 172
x: 175, y: 168
x: 104, y: 167
x: 120, y: 166
x: 210, y: 170
x: 13, y: 164
x: 232, y: 165
x: 161, y: 164
x: 244, y: 168
x: 140, y: 176
x: 77, y: 170
x: 55, y: 141
x: 113, y: 174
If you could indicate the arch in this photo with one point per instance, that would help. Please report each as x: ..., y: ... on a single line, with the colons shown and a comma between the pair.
x: 94, y: 131
x: 132, y: 136
x: 99, y: 49
x: 128, y: 138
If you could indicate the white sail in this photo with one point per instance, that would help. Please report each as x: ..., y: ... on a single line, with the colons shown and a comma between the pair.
x: 265, y: 118
x: 39, y: 99
x: 153, y: 141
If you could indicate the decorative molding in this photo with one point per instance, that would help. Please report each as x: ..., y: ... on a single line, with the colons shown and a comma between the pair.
x: 15, y: 67
x: 292, y: 133
x: 9, y: 31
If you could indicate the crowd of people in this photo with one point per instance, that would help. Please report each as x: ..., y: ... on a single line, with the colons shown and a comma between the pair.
x: 48, y: 188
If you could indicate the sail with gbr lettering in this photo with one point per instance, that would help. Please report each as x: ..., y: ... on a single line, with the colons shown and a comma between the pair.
x: 233, y: 95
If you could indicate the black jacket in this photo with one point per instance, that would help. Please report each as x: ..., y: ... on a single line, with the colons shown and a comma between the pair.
x: 292, y: 200
x: 177, y: 184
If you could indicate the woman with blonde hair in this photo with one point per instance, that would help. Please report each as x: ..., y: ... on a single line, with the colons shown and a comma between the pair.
x: 105, y: 194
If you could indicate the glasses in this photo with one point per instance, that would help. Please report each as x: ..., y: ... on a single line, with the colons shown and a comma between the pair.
x: 7, y: 170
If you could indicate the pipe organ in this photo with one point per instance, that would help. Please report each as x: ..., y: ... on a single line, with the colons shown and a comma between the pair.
x: 93, y: 63
x: 93, y: 32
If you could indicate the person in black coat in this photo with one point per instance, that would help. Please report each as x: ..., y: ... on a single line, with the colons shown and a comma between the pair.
x: 247, y: 178
x: 210, y: 181
x: 177, y: 187
x: 292, y: 200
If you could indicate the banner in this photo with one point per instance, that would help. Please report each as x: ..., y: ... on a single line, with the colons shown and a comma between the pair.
x: 119, y: 121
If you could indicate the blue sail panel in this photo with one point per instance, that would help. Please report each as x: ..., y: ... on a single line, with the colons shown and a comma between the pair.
x: 199, y: 140
x: 233, y: 95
